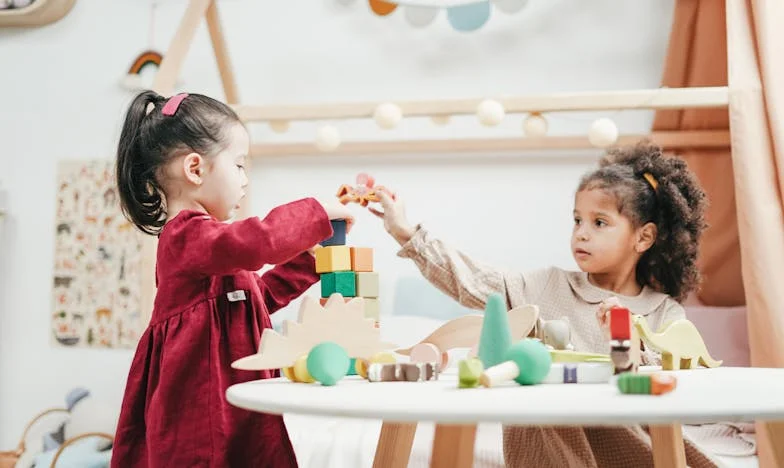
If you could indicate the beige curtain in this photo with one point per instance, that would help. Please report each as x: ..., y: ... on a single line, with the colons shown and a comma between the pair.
x: 714, y: 43
x: 697, y: 56
x: 755, y: 30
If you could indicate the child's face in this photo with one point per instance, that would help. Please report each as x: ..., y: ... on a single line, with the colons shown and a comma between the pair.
x: 603, y: 240
x: 225, y: 179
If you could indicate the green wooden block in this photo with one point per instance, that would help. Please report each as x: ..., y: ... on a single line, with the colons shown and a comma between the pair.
x: 341, y: 282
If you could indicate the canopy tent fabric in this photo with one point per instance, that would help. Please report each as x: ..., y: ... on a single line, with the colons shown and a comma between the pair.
x: 742, y: 256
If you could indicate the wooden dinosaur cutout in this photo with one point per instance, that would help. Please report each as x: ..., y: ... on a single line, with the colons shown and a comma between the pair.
x: 679, y: 342
x: 338, y: 321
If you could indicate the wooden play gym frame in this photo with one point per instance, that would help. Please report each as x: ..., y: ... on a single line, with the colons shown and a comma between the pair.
x: 396, y: 439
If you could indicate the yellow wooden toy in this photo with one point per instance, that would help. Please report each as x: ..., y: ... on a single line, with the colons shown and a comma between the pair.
x: 679, y: 342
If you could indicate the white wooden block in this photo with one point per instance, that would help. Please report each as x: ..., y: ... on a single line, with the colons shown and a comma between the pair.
x: 367, y: 284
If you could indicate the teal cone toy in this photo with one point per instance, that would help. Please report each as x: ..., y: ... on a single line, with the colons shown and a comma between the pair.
x: 495, y: 337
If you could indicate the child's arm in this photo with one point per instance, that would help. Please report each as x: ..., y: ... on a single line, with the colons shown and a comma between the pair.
x: 208, y: 247
x: 456, y: 274
x: 284, y: 283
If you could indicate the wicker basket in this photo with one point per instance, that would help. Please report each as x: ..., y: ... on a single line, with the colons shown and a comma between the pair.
x: 9, y: 458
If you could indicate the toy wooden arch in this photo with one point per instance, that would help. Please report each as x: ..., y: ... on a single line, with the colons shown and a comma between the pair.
x: 659, y: 98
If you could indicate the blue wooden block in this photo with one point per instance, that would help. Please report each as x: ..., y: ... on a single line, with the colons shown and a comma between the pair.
x: 338, y: 234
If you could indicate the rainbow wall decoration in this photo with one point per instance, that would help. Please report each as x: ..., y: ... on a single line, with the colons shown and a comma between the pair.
x: 142, y: 71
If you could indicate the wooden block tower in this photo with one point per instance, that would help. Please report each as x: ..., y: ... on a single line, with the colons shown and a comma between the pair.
x: 347, y: 271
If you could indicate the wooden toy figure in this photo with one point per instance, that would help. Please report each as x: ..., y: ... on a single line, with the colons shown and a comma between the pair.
x: 364, y: 192
x: 556, y: 334
x: 624, y: 343
x: 403, y: 372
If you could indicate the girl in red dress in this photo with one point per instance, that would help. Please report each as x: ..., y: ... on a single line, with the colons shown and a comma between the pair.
x: 180, y: 176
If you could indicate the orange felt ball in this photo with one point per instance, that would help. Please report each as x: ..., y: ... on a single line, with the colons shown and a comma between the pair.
x: 382, y: 8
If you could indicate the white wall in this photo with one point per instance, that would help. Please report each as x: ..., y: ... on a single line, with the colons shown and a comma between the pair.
x: 60, y: 100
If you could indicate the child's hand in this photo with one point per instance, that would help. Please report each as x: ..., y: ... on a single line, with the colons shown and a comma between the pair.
x: 312, y: 250
x: 338, y: 211
x: 394, y: 216
x: 603, y: 314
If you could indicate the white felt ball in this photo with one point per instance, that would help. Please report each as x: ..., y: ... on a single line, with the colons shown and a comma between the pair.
x: 535, y: 126
x: 387, y: 115
x: 603, y: 133
x: 21, y: 3
x: 440, y: 119
x: 279, y: 126
x: 510, y: 6
x: 419, y: 16
x: 490, y: 112
x: 327, y: 138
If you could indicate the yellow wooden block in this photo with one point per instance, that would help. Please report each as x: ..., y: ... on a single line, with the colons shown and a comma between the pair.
x: 333, y: 258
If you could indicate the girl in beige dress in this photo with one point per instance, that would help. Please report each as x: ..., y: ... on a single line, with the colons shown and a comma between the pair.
x: 637, y: 224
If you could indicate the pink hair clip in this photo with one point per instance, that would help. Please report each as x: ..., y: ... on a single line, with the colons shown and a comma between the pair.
x: 173, y: 104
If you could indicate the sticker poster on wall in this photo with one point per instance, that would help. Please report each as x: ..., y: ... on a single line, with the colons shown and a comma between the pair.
x: 97, y: 279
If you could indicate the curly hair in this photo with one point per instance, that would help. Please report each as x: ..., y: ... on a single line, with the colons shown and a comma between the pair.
x: 674, y: 202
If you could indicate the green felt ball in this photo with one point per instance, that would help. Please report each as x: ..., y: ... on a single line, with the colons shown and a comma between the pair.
x: 328, y: 363
x: 532, y: 358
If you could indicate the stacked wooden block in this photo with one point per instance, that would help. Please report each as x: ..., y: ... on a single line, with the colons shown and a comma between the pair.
x: 347, y: 271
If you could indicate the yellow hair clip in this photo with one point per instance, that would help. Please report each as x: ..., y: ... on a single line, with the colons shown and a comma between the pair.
x: 651, y: 180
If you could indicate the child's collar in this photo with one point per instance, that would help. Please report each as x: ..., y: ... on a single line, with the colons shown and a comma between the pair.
x: 644, y: 303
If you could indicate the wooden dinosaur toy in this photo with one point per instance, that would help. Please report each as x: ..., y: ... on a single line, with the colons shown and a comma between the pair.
x: 679, y: 342
x: 338, y: 321
x: 464, y: 332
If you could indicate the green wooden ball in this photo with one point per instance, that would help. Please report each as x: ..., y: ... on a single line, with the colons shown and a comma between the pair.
x: 328, y: 363
x: 532, y: 358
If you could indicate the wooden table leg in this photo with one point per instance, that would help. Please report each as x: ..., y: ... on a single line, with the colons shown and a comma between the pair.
x: 453, y: 446
x: 667, y: 445
x: 776, y: 441
x: 394, y: 445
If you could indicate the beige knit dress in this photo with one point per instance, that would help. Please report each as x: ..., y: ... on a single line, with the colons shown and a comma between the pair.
x: 558, y: 294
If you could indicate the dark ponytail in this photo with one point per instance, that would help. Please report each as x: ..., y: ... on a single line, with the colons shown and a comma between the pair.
x: 672, y: 199
x: 149, y: 140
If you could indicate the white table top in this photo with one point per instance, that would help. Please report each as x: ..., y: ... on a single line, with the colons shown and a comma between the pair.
x: 701, y: 396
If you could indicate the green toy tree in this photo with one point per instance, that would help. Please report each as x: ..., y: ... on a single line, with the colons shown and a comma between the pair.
x: 495, y: 337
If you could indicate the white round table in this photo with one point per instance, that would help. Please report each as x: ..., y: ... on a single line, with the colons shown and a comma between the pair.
x: 701, y: 396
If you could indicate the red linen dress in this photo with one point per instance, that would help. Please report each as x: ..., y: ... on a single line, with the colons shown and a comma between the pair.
x: 210, y: 309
